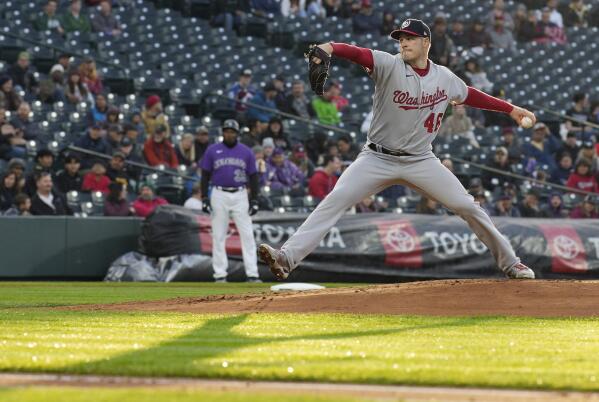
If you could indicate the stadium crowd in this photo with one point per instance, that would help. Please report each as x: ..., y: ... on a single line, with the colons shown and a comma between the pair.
x: 566, y: 153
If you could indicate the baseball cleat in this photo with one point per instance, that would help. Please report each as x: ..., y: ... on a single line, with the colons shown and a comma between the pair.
x: 275, y: 260
x: 519, y: 271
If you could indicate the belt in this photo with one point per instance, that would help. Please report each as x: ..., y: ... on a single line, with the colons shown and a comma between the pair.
x: 229, y: 189
x: 387, y: 151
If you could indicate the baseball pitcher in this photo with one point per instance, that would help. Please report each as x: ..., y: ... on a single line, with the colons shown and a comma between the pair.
x: 410, y: 97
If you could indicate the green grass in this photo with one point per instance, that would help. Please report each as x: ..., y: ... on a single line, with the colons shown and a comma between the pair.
x: 60, y: 394
x: 482, y: 351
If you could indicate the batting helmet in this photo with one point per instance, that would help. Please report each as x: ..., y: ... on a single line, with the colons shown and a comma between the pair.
x: 232, y: 124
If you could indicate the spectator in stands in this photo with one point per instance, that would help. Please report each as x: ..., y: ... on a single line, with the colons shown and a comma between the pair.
x: 132, y: 132
x: 554, y: 208
x: 76, y: 90
x: 512, y: 144
x: 478, y: 37
x: 281, y: 174
x: 555, y: 16
x: 348, y: 151
x: 315, y: 7
x: 158, y: 150
x: 582, y: 177
x: 276, y: 131
x: 195, y: 201
x: 137, y: 121
x: 116, y: 203
x: 265, y: 8
x: 92, y: 141
x: 442, y: 50
x: 96, y: 179
x: 586, y: 210
x: 501, y: 37
x: 297, y: 103
x: 44, y: 161
x: 152, y: 116
x: 113, y: 118
x: 64, y: 59
x: 316, y: 147
x: 477, y: 76
x: 505, y: 207
x: 98, y: 112
x: 570, y: 146
x: 90, y: 76
x: 22, y: 121
x: 325, y: 108
x: 22, y: 75
x: 260, y: 163
x: 72, y: 20
x: 562, y: 172
x: 9, y: 98
x: 69, y: 179
x: 339, y: 100
x: 21, y: 206
x: 255, y: 134
x: 145, y: 204
x: 365, y: 21
x: 242, y: 91
x: 458, y: 33
x: 530, y: 207
x: 201, y: 142
x: 104, y: 21
x: 48, y: 20
x: 10, y: 145
x: 17, y: 165
x: 481, y: 198
x: 540, y: 148
x: 527, y: 30
x: 548, y: 30
x: 281, y: 97
x: 300, y: 159
x: 428, y: 206
x: 186, y: 154
x: 266, y: 99
x: 388, y: 24
x: 459, y: 124
x: 230, y: 14
x: 578, y: 14
x: 46, y: 201
x: 324, y: 179
x: 8, y: 190
x: 268, y: 146
x: 117, y: 171
x: 499, y: 13
x: 520, y: 18
x: 133, y: 153
x: 475, y: 185
x: 333, y: 7
x: 53, y: 88
x: 578, y: 111
x: 296, y: 8
x: 587, y: 151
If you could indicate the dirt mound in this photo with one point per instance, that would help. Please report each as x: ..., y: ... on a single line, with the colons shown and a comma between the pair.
x: 538, y: 298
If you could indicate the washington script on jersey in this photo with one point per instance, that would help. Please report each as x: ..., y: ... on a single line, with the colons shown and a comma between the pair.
x: 229, y: 162
x: 409, y: 102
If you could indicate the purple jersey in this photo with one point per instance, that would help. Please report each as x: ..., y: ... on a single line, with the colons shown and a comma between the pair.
x: 230, y: 167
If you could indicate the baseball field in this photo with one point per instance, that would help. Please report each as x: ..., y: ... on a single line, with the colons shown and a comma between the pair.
x: 439, y: 340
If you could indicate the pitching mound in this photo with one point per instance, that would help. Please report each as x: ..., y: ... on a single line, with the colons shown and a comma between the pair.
x: 538, y: 298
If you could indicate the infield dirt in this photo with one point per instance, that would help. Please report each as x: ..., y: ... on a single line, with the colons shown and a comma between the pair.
x: 531, y: 298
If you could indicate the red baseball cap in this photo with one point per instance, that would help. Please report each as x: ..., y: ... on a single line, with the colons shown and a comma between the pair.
x: 413, y: 27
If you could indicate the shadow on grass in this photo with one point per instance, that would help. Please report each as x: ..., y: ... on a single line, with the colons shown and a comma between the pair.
x: 192, y: 354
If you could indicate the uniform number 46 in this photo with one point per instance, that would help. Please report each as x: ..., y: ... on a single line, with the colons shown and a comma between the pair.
x: 431, y: 124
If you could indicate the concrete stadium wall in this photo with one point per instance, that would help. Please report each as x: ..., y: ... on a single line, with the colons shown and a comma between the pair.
x: 59, y: 247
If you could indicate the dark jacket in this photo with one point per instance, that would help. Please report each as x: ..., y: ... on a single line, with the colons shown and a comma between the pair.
x: 22, y: 77
x: 39, y: 207
x: 120, y: 208
x: 86, y: 142
x: 64, y: 182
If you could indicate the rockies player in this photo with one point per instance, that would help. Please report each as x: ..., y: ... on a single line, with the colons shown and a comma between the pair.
x: 410, y: 97
x: 230, y: 166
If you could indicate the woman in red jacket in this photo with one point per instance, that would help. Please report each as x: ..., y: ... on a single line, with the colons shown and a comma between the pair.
x: 159, y: 151
x: 582, y: 178
x: 96, y: 180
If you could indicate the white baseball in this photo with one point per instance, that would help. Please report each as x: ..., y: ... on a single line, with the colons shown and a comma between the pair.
x: 526, y: 122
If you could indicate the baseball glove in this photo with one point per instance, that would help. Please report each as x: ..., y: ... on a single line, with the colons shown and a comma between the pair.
x: 318, y: 71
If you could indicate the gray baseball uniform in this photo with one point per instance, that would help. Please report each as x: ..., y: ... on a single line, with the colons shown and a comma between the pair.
x: 407, y: 114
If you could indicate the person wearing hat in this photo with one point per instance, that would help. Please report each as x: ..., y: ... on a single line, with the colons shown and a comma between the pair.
x: 324, y: 107
x: 365, y: 21
x: 540, y: 148
x: 152, y: 116
x: 299, y: 158
x: 265, y: 99
x: 504, y: 207
x: 147, y: 201
x: 44, y: 160
x: 114, y: 136
x: 582, y: 178
x: 69, y: 178
x: 231, y: 167
x: 512, y: 144
x: 442, y: 50
x: 530, y: 207
x: 411, y: 96
x: 554, y: 208
x: 587, y: 209
x: 283, y: 175
x: 500, y: 161
x: 92, y: 141
x: 201, y: 141
x: 22, y: 74
x: 242, y: 91
x: 158, y: 150
x: 9, y: 98
x: 117, y: 170
x: 72, y: 20
x: 48, y: 20
x: 116, y: 203
x: 132, y: 153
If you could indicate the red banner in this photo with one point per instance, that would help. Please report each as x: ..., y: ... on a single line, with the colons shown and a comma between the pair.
x: 567, y: 250
x: 401, y: 243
